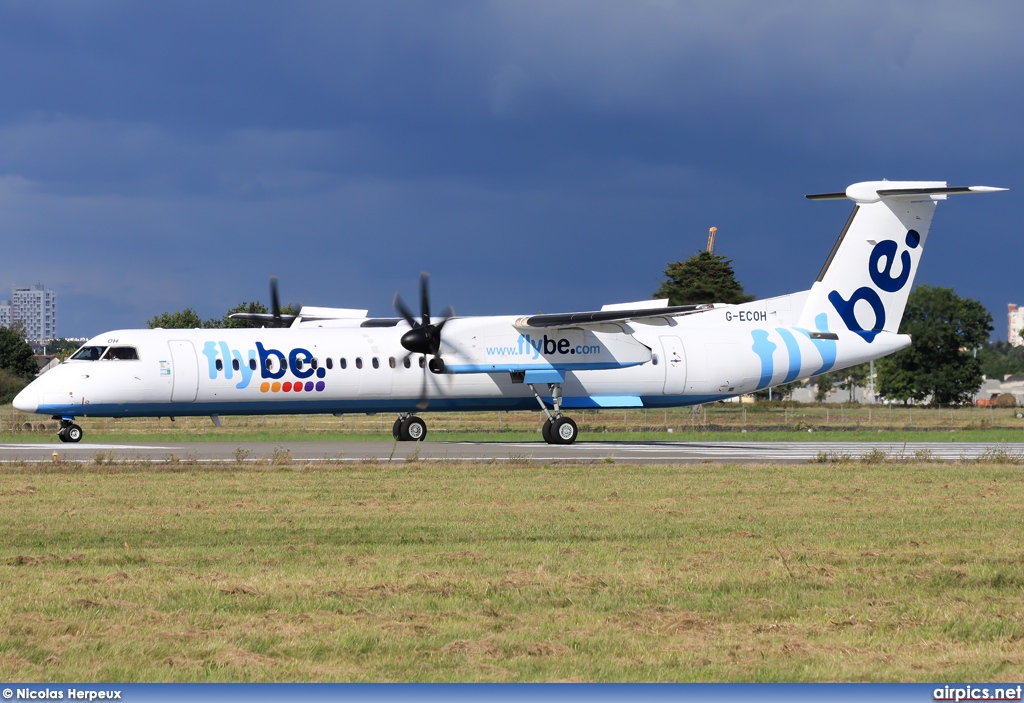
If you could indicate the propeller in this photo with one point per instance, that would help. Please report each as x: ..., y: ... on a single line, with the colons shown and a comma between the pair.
x: 424, y: 336
x: 275, y: 304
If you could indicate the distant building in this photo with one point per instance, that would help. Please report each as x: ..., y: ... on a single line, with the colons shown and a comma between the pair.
x: 1016, y: 324
x: 5, y: 313
x: 36, y: 309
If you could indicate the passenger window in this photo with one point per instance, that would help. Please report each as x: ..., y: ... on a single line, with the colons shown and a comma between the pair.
x: 269, y: 363
x: 235, y: 365
x: 313, y: 364
x: 654, y: 359
x: 343, y: 363
x: 407, y: 362
x: 423, y: 361
x: 330, y: 363
x: 220, y: 365
x: 391, y: 362
x: 359, y: 362
x: 298, y: 364
x: 376, y: 364
x: 252, y: 364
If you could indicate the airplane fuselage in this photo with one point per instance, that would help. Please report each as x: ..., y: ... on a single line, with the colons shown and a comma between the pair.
x: 721, y: 353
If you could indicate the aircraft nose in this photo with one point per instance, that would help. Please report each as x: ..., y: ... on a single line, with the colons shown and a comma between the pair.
x: 27, y: 401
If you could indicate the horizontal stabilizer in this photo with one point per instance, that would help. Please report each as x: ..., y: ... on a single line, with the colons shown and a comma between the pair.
x: 873, y: 191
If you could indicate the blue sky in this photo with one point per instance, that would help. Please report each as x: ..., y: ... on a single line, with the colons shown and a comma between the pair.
x: 533, y: 156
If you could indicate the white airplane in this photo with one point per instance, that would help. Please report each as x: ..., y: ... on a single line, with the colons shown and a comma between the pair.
x: 631, y: 355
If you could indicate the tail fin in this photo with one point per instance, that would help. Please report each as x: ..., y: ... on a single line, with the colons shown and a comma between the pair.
x: 867, y: 278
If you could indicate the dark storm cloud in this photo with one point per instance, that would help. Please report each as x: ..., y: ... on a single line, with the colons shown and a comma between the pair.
x: 547, y: 155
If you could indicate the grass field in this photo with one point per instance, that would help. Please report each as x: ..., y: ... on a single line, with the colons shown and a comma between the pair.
x: 732, y: 421
x: 417, y: 572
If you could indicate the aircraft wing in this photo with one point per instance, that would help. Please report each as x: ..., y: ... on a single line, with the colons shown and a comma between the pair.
x: 265, y: 318
x: 599, y: 317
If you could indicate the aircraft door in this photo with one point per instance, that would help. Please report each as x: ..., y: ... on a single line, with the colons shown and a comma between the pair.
x: 184, y: 372
x: 675, y: 366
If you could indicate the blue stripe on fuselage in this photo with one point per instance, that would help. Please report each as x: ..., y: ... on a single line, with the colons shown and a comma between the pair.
x: 380, y: 405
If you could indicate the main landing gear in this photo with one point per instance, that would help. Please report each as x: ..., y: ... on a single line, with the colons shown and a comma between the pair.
x: 556, y: 429
x: 69, y: 431
x: 409, y: 428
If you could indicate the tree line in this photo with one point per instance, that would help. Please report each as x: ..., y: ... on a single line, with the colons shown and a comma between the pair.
x: 189, y: 319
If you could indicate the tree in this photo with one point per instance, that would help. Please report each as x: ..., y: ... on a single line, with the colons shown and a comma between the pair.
x: 1001, y: 359
x: 702, y: 278
x: 187, y: 319
x: 61, y: 347
x: 249, y: 306
x: 10, y: 386
x: 16, y: 355
x: 940, y: 363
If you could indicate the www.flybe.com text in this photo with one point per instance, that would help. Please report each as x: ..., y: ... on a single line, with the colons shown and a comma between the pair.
x: 547, y: 346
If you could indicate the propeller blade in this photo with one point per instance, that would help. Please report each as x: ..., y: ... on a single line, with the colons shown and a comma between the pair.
x: 425, y: 298
x: 275, y: 303
x: 402, y: 310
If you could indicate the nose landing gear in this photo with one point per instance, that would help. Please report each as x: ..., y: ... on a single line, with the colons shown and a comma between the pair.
x: 69, y: 431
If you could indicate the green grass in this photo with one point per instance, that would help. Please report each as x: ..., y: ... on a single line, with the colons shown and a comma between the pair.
x: 528, y: 572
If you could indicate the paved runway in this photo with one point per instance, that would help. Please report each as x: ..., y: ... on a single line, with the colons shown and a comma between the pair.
x: 584, y: 452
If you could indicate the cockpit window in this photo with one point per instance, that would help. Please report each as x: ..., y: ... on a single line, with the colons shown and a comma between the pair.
x: 88, y: 353
x: 121, y: 354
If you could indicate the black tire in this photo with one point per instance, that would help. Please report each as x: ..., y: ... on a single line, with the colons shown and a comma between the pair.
x: 564, y: 431
x: 396, y: 430
x: 62, y: 434
x: 414, y: 429
x: 73, y: 434
x: 545, y: 432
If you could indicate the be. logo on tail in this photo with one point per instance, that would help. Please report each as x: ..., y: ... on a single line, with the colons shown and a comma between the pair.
x: 883, y: 280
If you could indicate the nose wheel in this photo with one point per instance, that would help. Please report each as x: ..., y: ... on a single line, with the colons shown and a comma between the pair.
x: 69, y: 432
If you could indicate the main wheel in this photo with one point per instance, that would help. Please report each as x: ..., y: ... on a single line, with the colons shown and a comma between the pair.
x: 62, y: 434
x: 414, y: 429
x: 396, y: 430
x: 564, y: 431
x: 545, y: 432
x: 73, y: 434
